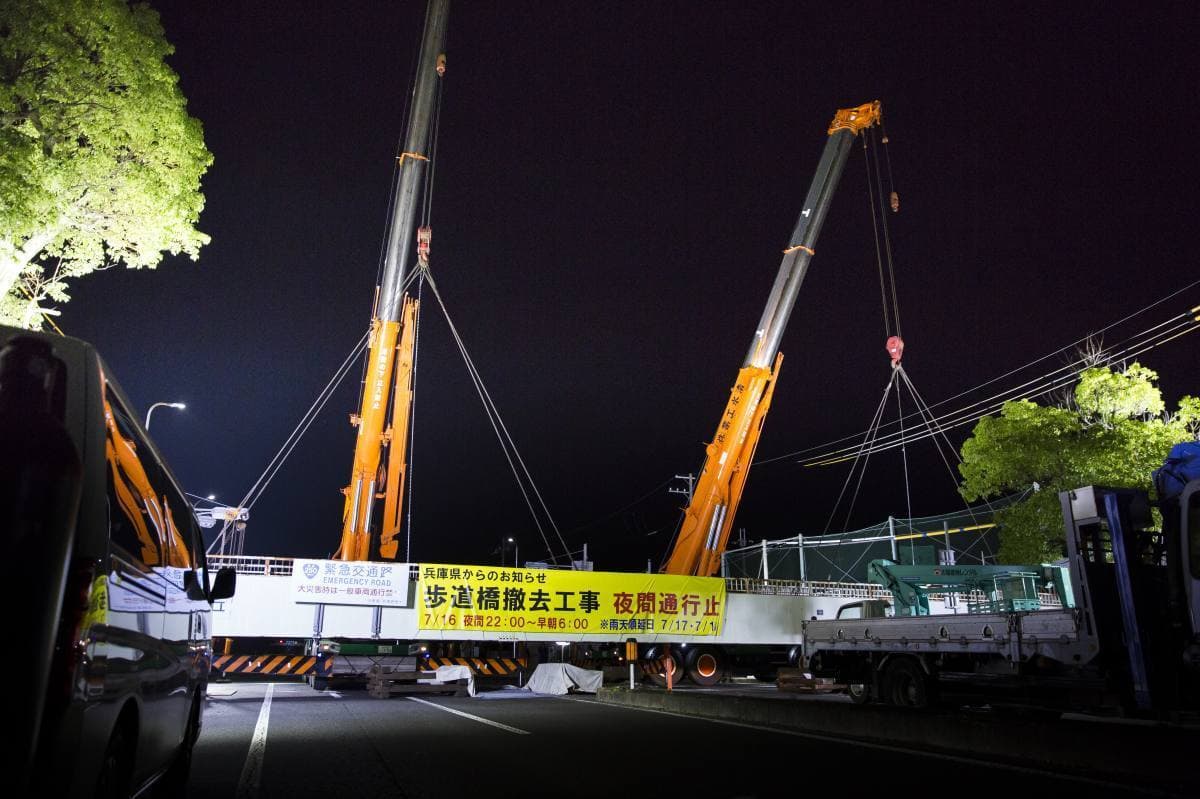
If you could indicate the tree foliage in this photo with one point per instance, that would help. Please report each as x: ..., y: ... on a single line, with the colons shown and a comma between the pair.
x: 99, y: 161
x: 1115, y: 433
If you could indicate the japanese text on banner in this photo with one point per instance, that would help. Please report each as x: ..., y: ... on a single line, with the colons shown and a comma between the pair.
x: 503, y: 600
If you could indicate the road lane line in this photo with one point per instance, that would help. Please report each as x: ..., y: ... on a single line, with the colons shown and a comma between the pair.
x: 480, y: 719
x: 252, y: 772
x: 834, y: 739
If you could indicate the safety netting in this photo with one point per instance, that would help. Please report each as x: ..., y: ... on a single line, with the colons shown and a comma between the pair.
x: 970, y: 535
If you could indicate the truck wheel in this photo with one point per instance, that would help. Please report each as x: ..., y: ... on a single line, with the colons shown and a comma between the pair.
x: 116, y: 770
x: 174, y: 782
x: 905, y: 684
x: 705, y: 665
x: 859, y: 693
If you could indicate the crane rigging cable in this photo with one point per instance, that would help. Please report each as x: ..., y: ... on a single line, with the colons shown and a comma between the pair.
x: 1153, y: 336
x: 1032, y: 389
x: 891, y: 322
x: 516, y: 463
x: 887, y: 238
x: 412, y: 413
x: 895, y: 347
x: 306, y: 420
x: 864, y: 447
x: 879, y: 252
x: 293, y: 438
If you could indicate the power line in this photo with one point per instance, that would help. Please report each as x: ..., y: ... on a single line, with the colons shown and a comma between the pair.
x: 1154, y: 336
x: 973, y: 413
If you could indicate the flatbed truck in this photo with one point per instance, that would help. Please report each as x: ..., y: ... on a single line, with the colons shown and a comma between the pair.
x: 1129, y: 645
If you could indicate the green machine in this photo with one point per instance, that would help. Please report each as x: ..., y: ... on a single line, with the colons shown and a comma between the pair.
x: 1004, y: 589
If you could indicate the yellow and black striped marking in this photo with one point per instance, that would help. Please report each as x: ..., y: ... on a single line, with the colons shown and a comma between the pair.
x: 276, y: 665
x: 653, y: 667
x: 484, y: 667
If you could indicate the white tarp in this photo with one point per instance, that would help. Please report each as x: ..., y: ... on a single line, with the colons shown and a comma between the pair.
x: 446, y: 674
x: 562, y: 678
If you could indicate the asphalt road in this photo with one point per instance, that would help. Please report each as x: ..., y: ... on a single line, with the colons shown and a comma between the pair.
x: 286, y: 740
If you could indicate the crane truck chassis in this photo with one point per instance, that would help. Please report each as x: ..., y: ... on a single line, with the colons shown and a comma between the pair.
x: 1130, y: 645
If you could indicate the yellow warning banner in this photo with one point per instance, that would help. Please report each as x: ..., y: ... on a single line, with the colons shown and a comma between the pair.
x: 506, y: 600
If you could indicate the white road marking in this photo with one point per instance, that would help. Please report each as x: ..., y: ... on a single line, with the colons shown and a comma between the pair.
x: 904, y: 749
x: 334, y: 694
x: 489, y: 722
x: 252, y: 772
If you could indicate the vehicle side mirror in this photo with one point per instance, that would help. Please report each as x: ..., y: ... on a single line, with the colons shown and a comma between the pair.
x: 224, y: 585
x: 191, y: 584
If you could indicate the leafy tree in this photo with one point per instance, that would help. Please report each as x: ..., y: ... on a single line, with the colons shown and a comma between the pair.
x: 99, y: 161
x: 1114, y: 433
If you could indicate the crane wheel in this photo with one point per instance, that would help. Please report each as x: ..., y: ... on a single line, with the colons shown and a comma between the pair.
x: 675, y: 663
x: 705, y: 665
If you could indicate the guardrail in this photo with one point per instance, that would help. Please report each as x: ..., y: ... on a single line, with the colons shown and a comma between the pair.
x: 817, y: 588
x: 249, y: 564
x: 754, y: 585
x: 282, y: 567
x: 271, y: 566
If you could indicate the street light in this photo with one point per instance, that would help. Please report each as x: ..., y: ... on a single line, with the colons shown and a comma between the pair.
x: 179, y: 406
x: 504, y: 542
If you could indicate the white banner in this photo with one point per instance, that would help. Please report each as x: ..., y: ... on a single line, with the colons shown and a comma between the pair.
x: 340, y: 582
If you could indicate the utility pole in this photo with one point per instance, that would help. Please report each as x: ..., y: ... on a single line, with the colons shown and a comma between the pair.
x: 688, y: 478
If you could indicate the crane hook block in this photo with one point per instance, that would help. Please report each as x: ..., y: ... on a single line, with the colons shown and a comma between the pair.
x: 895, y: 348
x: 424, y: 236
x: 895, y: 202
x: 441, y: 65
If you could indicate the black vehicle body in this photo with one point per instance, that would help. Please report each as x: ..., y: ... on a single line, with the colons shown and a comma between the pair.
x: 111, y: 602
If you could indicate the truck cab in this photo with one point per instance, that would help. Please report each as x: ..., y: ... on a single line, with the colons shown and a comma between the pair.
x: 864, y: 609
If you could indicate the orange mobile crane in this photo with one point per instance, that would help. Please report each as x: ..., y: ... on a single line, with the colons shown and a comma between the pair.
x: 390, y: 365
x: 708, y: 517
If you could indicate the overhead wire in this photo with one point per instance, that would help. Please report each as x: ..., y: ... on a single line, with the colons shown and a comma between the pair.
x: 932, y: 425
x: 1037, y: 386
x: 622, y: 509
x: 1031, y: 389
x: 1182, y: 319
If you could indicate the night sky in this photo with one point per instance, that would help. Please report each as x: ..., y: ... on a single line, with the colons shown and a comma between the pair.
x: 614, y: 185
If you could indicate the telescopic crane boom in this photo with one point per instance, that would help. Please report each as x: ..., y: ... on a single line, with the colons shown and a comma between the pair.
x: 394, y: 311
x: 709, y: 516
